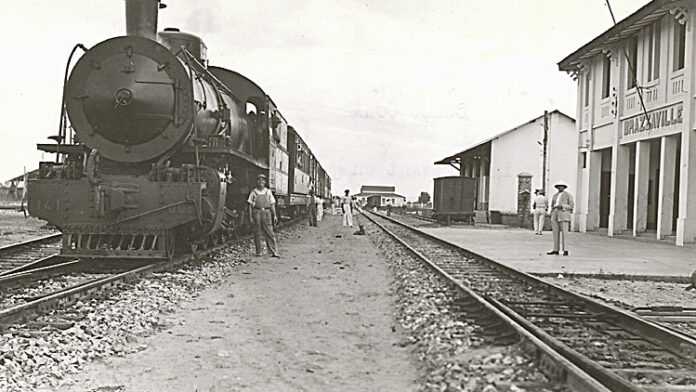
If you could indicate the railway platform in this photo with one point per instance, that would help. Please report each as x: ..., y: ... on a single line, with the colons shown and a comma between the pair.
x: 590, y: 253
x: 319, y: 318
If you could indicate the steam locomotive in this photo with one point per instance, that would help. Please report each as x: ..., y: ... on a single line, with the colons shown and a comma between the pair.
x: 162, y: 149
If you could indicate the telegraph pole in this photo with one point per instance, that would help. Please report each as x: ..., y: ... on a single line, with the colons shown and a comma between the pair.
x: 545, y: 144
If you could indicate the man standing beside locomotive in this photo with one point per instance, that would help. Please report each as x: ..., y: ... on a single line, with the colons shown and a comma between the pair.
x: 311, y: 208
x: 561, y: 209
x: 263, y: 216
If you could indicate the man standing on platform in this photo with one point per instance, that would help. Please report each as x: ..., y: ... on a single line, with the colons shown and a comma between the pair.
x: 561, y: 209
x: 346, y: 204
x: 539, y: 206
x: 263, y: 216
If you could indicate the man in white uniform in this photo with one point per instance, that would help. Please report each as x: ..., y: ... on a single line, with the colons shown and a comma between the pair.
x: 263, y: 216
x: 346, y: 202
x: 539, y: 206
x: 320, y: 208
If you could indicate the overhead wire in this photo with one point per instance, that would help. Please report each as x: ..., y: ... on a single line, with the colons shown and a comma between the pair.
x: 632, y: 69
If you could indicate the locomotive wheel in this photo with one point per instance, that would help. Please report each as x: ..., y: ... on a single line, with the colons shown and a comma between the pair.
x: 170, y: 246
x: 194, y: 250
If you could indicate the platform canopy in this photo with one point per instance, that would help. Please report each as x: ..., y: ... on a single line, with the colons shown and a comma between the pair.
x: 624, y: 29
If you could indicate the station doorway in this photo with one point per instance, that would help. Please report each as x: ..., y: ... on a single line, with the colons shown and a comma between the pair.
x: 605, y: 189
x: 649, y: 210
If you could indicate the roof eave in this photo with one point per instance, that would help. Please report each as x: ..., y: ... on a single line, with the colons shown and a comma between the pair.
x: 622, y: 30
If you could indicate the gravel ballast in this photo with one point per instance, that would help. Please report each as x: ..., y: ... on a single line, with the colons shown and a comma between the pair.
x: 451, y: 348
x: 39, y: 355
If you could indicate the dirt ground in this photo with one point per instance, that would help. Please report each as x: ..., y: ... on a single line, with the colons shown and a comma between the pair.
x: 318, y: 319
x: 14, y: 227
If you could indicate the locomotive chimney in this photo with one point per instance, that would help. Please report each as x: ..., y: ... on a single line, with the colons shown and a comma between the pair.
x: 141, y: 17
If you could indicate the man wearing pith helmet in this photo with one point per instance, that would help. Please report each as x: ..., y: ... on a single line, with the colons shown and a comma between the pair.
x: 263, y: 216
x: 561, y: 209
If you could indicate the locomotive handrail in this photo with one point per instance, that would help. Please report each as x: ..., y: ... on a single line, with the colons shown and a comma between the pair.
x: 191, y: 58
x: 62, y: 121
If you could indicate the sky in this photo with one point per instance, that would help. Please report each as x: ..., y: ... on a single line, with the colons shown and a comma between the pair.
x: 380, y: 89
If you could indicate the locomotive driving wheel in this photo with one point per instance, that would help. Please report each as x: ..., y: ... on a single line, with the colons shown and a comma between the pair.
x: 170, y: 246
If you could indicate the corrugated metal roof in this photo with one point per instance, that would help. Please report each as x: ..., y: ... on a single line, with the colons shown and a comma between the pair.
x: 377, y: 188
x: 450, y: 158
x: 389, y: 194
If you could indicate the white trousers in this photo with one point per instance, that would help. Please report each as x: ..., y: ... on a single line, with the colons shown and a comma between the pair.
x: 348, y: 218
x: 539, y: 216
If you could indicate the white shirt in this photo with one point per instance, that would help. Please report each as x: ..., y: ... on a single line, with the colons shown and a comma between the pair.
x: 541, y: 202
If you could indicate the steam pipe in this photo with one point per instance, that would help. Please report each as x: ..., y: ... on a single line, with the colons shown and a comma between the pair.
x: 141, y: 18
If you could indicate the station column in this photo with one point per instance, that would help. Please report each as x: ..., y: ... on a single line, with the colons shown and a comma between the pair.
x: 618, y: 204
x: 642, y: 178
x: 588, y: 191
x: 686, y: 222
x: 665, y: 197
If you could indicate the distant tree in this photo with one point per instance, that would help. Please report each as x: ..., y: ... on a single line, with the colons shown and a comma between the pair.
x: 424, y: 198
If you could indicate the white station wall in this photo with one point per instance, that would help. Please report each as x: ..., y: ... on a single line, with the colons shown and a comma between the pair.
x: 521, y: 151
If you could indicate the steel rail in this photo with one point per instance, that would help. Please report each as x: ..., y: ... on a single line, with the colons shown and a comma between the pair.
x: 679, y: 344
x: 67, y: 295
x: 7, y: 252
x: 552, y: 363
x: 38, y: 272
x: 31, y: 241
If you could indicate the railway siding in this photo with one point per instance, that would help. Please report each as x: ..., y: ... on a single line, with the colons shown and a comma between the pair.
x: 618, y: 349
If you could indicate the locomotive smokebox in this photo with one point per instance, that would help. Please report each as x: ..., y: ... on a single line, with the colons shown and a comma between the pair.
x: 141, y: 18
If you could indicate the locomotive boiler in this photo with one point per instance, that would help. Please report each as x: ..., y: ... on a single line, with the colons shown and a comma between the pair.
x: 163, y: 148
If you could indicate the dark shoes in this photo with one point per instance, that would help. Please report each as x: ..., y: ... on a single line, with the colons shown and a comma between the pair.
x: 555, y: 252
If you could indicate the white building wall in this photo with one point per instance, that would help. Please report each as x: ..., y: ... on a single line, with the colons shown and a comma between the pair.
x: 562, y: 154
x: 521, y: 151
x: 394, y: 201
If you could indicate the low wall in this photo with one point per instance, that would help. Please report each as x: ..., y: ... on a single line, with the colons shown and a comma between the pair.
x: 515, y: 220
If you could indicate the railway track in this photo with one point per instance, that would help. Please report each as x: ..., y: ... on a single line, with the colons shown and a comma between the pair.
x: 30, y: 253
x: 415, y: 218
x: 589, y: 346
x: 52, y: 299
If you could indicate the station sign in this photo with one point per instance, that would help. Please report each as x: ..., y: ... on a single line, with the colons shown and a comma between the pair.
x: 661, y: 121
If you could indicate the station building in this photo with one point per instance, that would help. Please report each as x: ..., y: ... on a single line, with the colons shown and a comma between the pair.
x: 636, y: 147
x: 509, y: 166
x: 380, y: 196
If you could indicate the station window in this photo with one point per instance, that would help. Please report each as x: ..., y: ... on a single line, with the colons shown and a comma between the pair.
x: 679, y: 46
x: 606, y: 77
x: 632, y: 61
x: 653, y: 42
